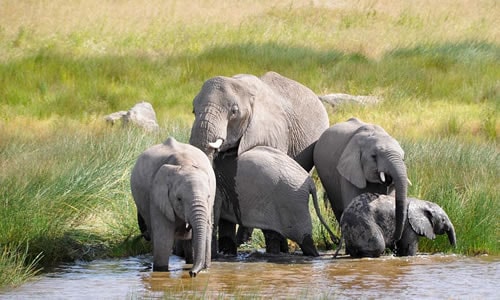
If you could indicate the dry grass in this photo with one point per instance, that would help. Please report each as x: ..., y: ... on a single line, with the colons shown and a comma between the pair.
x: 369, y: 27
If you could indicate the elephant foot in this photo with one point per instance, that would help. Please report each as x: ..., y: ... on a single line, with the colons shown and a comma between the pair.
x: 160, y: 268
x: 243, y: 235
x: 308, y: 248
x: 275, y: 242
x: 227, y: 246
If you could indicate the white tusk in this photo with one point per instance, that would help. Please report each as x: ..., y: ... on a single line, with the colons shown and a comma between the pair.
x: 216, y: 144
x: 382, y: 176
x: 409, y: 182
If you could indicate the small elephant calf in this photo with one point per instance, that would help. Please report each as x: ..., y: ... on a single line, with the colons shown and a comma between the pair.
x: 367, y: 225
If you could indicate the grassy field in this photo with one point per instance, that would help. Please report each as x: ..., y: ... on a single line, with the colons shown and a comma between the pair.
x: 64, y: 190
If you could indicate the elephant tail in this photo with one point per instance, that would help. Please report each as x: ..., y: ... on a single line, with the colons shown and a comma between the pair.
x: 340, y: 245
x: 334, y: 238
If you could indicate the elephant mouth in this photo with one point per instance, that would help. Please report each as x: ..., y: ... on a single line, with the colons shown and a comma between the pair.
x: 224, y: 149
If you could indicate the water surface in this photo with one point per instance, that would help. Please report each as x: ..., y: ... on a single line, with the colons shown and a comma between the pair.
x: 258, y: 275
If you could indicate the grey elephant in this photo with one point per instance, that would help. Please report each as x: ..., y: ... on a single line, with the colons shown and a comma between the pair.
x: 173, y: 186
x: 353, y: 158
x: 367, y: 225
x: 235, y: 114
x: 271, y: 192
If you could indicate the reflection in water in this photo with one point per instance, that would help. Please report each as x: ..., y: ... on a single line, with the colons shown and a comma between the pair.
x: 260, y: 276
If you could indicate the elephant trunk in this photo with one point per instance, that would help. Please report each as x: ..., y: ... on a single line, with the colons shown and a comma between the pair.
x: 451, y: 236
x: 398, y: 170
x: 200, y: 223
x: 206, y: 133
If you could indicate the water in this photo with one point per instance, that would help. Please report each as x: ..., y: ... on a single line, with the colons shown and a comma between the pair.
x: 257, y: 275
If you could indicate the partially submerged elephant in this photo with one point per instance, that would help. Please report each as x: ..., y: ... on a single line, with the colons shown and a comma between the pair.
x: 353, y: 158
x: 235, y: 114
x: 367, y: 225
x: 173, y: 185
x: 271, y: 192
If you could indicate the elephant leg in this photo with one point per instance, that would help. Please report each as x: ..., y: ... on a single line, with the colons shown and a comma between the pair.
x: 143, y: 228
x: 308, y: 247
x: 188, y: 251
x: 243, y: 235
x: 163, y: 234
x: 373, y: 247
x: 178, y: 248
x: 227, y: 238
x: 184, y: 248
x: 407, y: 245
x: 275, y: 242
x: 214, y: 243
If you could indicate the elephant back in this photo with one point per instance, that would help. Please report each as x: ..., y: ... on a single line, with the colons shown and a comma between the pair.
x: 307, y: 116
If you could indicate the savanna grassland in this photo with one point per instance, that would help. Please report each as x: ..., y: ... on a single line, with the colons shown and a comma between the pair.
x: 64, y: 174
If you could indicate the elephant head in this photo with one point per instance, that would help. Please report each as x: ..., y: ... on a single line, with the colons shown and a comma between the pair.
x: 229, y: 115
x: 354, y: 157
x: 240, y: 112
x: 428, y: 219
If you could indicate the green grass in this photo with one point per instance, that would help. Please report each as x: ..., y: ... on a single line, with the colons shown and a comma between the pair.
x: 64, y: 190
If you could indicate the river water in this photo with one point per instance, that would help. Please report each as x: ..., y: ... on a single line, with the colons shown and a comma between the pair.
x: 257, y: 276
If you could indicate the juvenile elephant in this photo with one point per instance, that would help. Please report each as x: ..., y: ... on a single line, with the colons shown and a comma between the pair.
x: 353, y: 158
x: 173, y: 186
x: 271, y: 193
x: 367, y: 225
x: 235, y: 114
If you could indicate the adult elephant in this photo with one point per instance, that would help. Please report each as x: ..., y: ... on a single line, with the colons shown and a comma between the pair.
x: 368, y: 224
x: 173, y: 186
x: 355, y: 157
x: 235, y: 114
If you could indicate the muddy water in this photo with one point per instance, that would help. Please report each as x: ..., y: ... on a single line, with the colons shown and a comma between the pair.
x: 258, y: 275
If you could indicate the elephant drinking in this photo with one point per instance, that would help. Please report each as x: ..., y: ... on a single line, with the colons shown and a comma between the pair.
x: 354, y: 157
x: 367, y: 225
x: 173, y: 186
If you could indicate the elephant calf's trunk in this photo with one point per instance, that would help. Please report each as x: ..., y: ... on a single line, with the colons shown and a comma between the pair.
x: 452, y: 237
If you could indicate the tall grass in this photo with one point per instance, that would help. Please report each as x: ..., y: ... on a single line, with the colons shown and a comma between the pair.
x: 64, y: 190
x: 463, y: 180
x: 67, y: 196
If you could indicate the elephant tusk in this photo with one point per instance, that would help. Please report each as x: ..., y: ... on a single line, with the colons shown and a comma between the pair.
x: 382, y: 177
x: 409, y: 182
x: 216, y: 144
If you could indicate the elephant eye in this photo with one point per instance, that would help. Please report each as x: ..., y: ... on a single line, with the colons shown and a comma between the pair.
x: 179, y: 199
x: 234, y: 109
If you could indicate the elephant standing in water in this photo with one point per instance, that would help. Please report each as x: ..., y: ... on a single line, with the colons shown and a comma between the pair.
x: 353, y: 158
x: 271, y: 192
x: 367, y: 225
x: 173, y: 186
x: 235, y: 114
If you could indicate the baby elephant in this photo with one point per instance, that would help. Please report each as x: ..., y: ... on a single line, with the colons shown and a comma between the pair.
x: 271, y: 192
x: 173, y: 186
x: 367, y: 225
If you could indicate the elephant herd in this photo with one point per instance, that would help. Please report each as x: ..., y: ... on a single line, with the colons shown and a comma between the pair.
x: 253, y: 144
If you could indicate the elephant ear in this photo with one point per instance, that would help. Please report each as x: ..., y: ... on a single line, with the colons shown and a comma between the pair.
x: 420, y: 217
x: 268, y: 124
x: 349, y: 165
x: 160, y: 190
